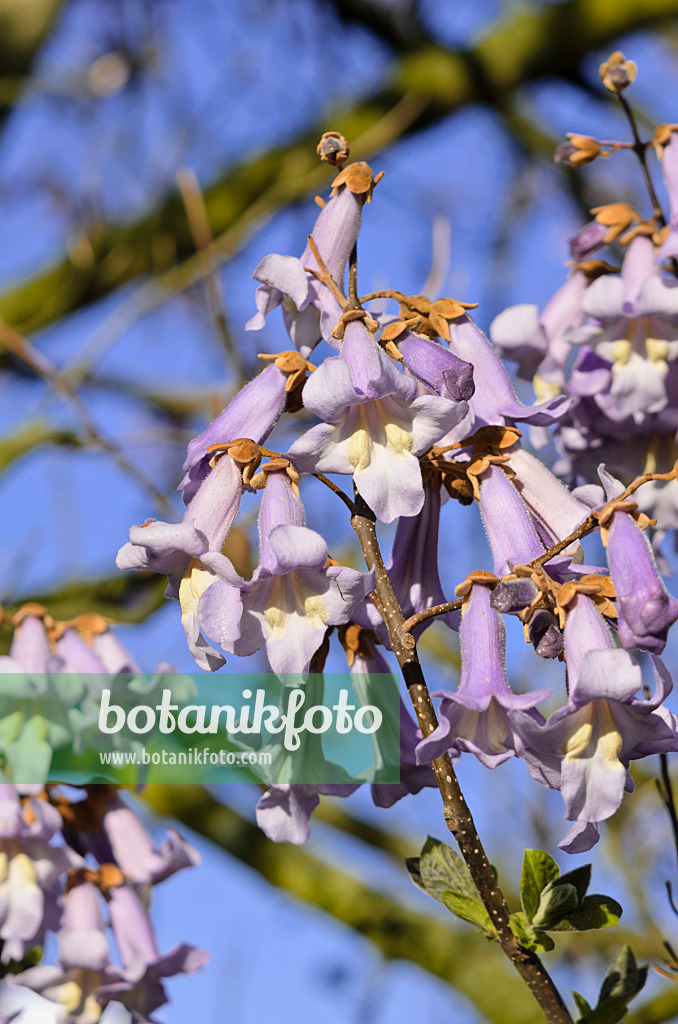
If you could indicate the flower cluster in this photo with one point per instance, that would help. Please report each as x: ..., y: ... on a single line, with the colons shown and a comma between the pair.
x: 78, y: 862
x: 416, y: 409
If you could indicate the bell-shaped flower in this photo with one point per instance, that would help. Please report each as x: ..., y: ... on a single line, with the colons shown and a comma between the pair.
x: 484, y: 716
x: 375, y: 425
x: 119, y: 837
x: 668, y: 151
x: 284, y: 811
x: 585, y: 747
x: 189, y: 553
x: 292, y: 597
x: 253, y: 413
x: 84, y: 959
x: 436, y: 367
x: 29, y: 868
x: 510, y: 531
x: 494, y: 400
x: 138, y: 983
x: 633, y: 326
x: 413, y: 569
x: 645, y: 610
x: 536, y: 341
x: 555, y: 510
x: 30, y: 650
x: 310, y: 310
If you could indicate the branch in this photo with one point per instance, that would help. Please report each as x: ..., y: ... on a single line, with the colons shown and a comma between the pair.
x: 455, y: 809
x: 425, y: 86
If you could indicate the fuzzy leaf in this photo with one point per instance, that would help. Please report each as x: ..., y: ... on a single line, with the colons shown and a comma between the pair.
x: 539, y: 868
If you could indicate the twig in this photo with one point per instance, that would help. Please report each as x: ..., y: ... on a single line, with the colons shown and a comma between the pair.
x: 385, y: 293
x: 640, y: 149
x: 457, y: 815
x: 666, y: 793
x: 196, y: 213
x: 337, y: 490
x: 43, y: 368
x: 589, y: 524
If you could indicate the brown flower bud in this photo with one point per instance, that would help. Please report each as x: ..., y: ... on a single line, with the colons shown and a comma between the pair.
x: 617, y: 73
x: 333, y: 149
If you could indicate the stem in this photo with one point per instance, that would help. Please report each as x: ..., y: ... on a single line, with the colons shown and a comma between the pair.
x: 640, y: 149
x: 666, y: 792
x: 385, y: 293
x: 457, y: 815
x: 337, y: 490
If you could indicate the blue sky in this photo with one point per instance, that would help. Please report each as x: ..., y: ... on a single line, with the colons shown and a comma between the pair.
x: 224, y: 79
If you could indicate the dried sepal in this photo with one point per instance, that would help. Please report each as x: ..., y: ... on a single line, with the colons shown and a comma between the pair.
x: 356, y: 641
x: 483, y: 576
x: 358, y: 178
x: 243, y: 450
x: 617, y: 218
x: 617, y: 73
x: 258, y: 481
x: 578, y: 151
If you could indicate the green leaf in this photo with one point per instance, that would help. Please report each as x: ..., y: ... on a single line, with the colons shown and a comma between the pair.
x: 623, y: 978
x: 442, y: 870
x: 609, y: 1012
x: 595, y: 912
x: 556, y: 902
x: 529, y: 937
x: 582, y: 1005
x: 580, y: 878
x: 412, y: 865
x: 471, y: 910
x: 443, y: 874
x: 539, y: 868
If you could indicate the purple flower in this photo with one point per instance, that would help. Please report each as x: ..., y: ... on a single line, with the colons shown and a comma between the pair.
x: 494, y: 400
x: 375, y: 425
x: 645, y: 610
x: 121, y: 838
x: 190, y: 554
x: 83, y: 957
x: 585, y: 747
x: 253, y: 413
x: 555, y: 510
x: 669, y: 157
x: 633, y: 326
x: 310, y: 311
x: 436, y: 367
x: 509, y: 529
x: 138, y: 983
x: 484, y: 716
x: 292, y: 597
x: 537, y: 342
x: 413, y: 569
x: 29, y: 867
x: 30, y: 650
x: 284, y: 811
x: 588, y: 241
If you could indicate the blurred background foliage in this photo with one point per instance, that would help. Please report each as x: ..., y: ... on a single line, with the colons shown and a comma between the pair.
x: 151, y: 152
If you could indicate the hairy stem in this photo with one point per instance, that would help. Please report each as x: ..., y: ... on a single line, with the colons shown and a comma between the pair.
x: 457, y: 814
